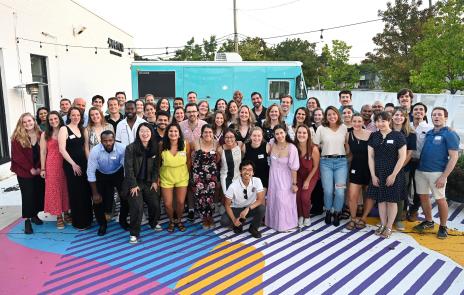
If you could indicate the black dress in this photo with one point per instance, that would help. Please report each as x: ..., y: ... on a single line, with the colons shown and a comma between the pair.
x: 385, y: 157
x: 238, y: 135
x: 359, y: 168
x: 317, y: 196
x: 78, y: 187
x: 259, y: 157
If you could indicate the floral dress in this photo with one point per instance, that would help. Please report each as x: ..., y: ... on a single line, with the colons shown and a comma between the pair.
x: 205, y: 172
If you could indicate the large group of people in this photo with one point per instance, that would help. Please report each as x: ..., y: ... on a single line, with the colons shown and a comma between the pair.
x: 266, y: 163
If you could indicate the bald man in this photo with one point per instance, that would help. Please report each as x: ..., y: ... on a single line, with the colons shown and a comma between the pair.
x: 377, y: 107
x: 80, y: 103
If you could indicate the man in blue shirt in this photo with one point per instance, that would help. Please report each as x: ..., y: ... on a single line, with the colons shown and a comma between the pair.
x: 437, y: 160
x: 105, y: 172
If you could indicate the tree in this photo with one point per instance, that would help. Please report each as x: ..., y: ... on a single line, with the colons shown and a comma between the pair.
x: 442, y: 50
x: 393, y: 57
x: 249, y: 48
x: 337, y: 72
x: 299, y: 50
x: 192, y: 51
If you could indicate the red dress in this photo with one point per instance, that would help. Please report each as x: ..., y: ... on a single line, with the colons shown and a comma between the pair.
x: 56, y: 189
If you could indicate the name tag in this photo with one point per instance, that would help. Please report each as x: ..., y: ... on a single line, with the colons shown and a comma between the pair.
x: 72, y: 136
x: 113, y: 157
x: 182, y: 154
x: 437, y: 139
x: 353, y: 171
x: 390, y: 141
x: 261, y: 156
x: 212, y: 152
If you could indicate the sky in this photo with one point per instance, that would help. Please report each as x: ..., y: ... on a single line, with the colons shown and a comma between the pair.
x: 172, y: 23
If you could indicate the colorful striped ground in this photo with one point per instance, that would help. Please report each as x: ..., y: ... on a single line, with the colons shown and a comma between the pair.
x: 320, y: 259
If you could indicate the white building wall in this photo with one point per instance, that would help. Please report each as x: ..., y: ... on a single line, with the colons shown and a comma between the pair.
x: 78, y: 72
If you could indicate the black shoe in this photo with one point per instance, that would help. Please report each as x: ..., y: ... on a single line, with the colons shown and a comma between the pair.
x: 28, y: 227
x: 102, y: 230
x: 36, y: 220
x: 191, y: 216
x: 238, y: 229
x: 254, y: 232
x: 124, y: 225
x: 336, y: 219
x: 328, y: 217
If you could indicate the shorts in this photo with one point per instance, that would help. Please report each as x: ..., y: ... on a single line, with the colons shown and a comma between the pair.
x: 425, y: 184
x: 174, y: 177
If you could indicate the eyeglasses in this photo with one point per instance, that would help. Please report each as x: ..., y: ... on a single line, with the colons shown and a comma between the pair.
x: 245, y: 194
x: 191, y: 112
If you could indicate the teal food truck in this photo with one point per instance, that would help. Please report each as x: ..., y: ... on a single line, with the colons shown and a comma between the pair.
x: 212, y: 80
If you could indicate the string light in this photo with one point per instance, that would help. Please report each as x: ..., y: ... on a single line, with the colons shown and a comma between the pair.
x: 322, y: 37
x: 40, y: 44
x: 96, y: 50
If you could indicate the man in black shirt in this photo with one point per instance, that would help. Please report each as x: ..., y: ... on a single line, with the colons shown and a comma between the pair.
x: 162, y: 121
x: 114, y: 116
x: 258, y: 110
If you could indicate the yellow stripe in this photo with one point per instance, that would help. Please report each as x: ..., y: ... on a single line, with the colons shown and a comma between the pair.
x: 218, y: 275
x: 226, y: 249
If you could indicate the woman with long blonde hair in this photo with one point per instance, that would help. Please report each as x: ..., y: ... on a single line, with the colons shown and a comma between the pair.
x: 25, y: 162
x: 97, y: 124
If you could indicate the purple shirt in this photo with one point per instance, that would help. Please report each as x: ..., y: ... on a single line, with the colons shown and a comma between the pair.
x: 189, y: 134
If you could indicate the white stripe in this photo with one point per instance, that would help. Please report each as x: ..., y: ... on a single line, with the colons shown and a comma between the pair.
x: 412, y: 277
x: 458, y: 285
x: 435, y: 281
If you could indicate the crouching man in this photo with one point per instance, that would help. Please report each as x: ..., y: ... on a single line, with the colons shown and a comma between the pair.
x: 244, y: 198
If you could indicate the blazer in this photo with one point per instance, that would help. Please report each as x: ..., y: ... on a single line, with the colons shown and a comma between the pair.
x: 22, y: 160
x: 133, y: 162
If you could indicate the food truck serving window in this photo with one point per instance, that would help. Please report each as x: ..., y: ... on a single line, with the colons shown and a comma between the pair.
x: 278, y: 88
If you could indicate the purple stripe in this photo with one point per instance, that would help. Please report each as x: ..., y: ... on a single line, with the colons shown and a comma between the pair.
x: 88, y: 240
x: 434, y: 205
x: 360, y: 268
x: 402, y: 274
x: 264, y: 257
x: 257, y: 250
x: 104, y: 242
x: 135, y: 259
x: 315, y: 267
x: 131, y: 288
x: 448, y: 281
x: 456, y: 212
x: 134, y: 248
x: 377, y: 274
x: 423, y: 279
x: 141, y: 274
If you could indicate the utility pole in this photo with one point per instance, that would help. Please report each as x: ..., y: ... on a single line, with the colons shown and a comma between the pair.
x: 430, y: 3
x: 235, y: 27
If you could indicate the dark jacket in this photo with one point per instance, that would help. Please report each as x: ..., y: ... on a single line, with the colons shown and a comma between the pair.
x: 132, y: 163
x: 22, y: 160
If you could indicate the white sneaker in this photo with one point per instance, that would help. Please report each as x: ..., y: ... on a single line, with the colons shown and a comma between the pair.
x: 158, y: 228
x: 133, y: 240
x: 307, y: 221
x: 300, y: 221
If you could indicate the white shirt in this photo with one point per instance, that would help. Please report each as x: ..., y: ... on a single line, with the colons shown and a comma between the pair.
x: 236, y: 195
x: 124, y: 134
x: 421, y: 130
x: 332, y: 142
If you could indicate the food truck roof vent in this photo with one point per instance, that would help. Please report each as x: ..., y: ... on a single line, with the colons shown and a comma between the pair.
x: 227, y: 56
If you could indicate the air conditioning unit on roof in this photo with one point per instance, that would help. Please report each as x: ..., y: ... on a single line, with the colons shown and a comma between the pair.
x: 227, y: 56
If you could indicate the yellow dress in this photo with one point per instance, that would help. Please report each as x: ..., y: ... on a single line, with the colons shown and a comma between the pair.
x: 174, y: 171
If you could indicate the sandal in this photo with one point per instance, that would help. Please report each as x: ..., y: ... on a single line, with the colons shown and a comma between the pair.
x: 67, y: 218
x: 181, y: 226
x: 387, y: 232
x: 379, y: 231
x: 351, y: 224
x: 360, y: 224
x: 171, y: 227
x: 59, y: 222
x: 345, y: 214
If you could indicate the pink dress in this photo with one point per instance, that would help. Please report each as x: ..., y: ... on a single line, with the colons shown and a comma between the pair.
x: 281, y: 212
x: 56, y: 189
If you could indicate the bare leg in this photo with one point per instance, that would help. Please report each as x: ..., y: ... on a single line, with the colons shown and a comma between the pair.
x: 383, y: 213
x: 443, y: 210
x: 354, y: 191
x: 392, y: 210
x: 427, y: 207
x: 180, y: 201
x: 167, y: 194
x: 368, y: 205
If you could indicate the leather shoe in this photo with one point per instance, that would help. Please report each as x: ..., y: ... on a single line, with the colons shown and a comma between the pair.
x: 36, y: 220
x: 102, y: 230
x: 328, y: 217
x: 238, y: 229
x: 254, y: 232
x: 28, y: 227
x: 336, y: 219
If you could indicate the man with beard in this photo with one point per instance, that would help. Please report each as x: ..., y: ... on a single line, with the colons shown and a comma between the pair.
x: 366, y: 114
x: 126, y: 134
x: 105, y: 173
x: 258, y: 109
x: 127, y: 128
x: 162, y: 120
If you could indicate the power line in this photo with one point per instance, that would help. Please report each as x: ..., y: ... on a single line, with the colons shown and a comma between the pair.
x: 323, y: 29
x: 270, y: 7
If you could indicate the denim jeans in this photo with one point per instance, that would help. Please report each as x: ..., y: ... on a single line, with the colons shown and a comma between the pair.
x: 334, y: 173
